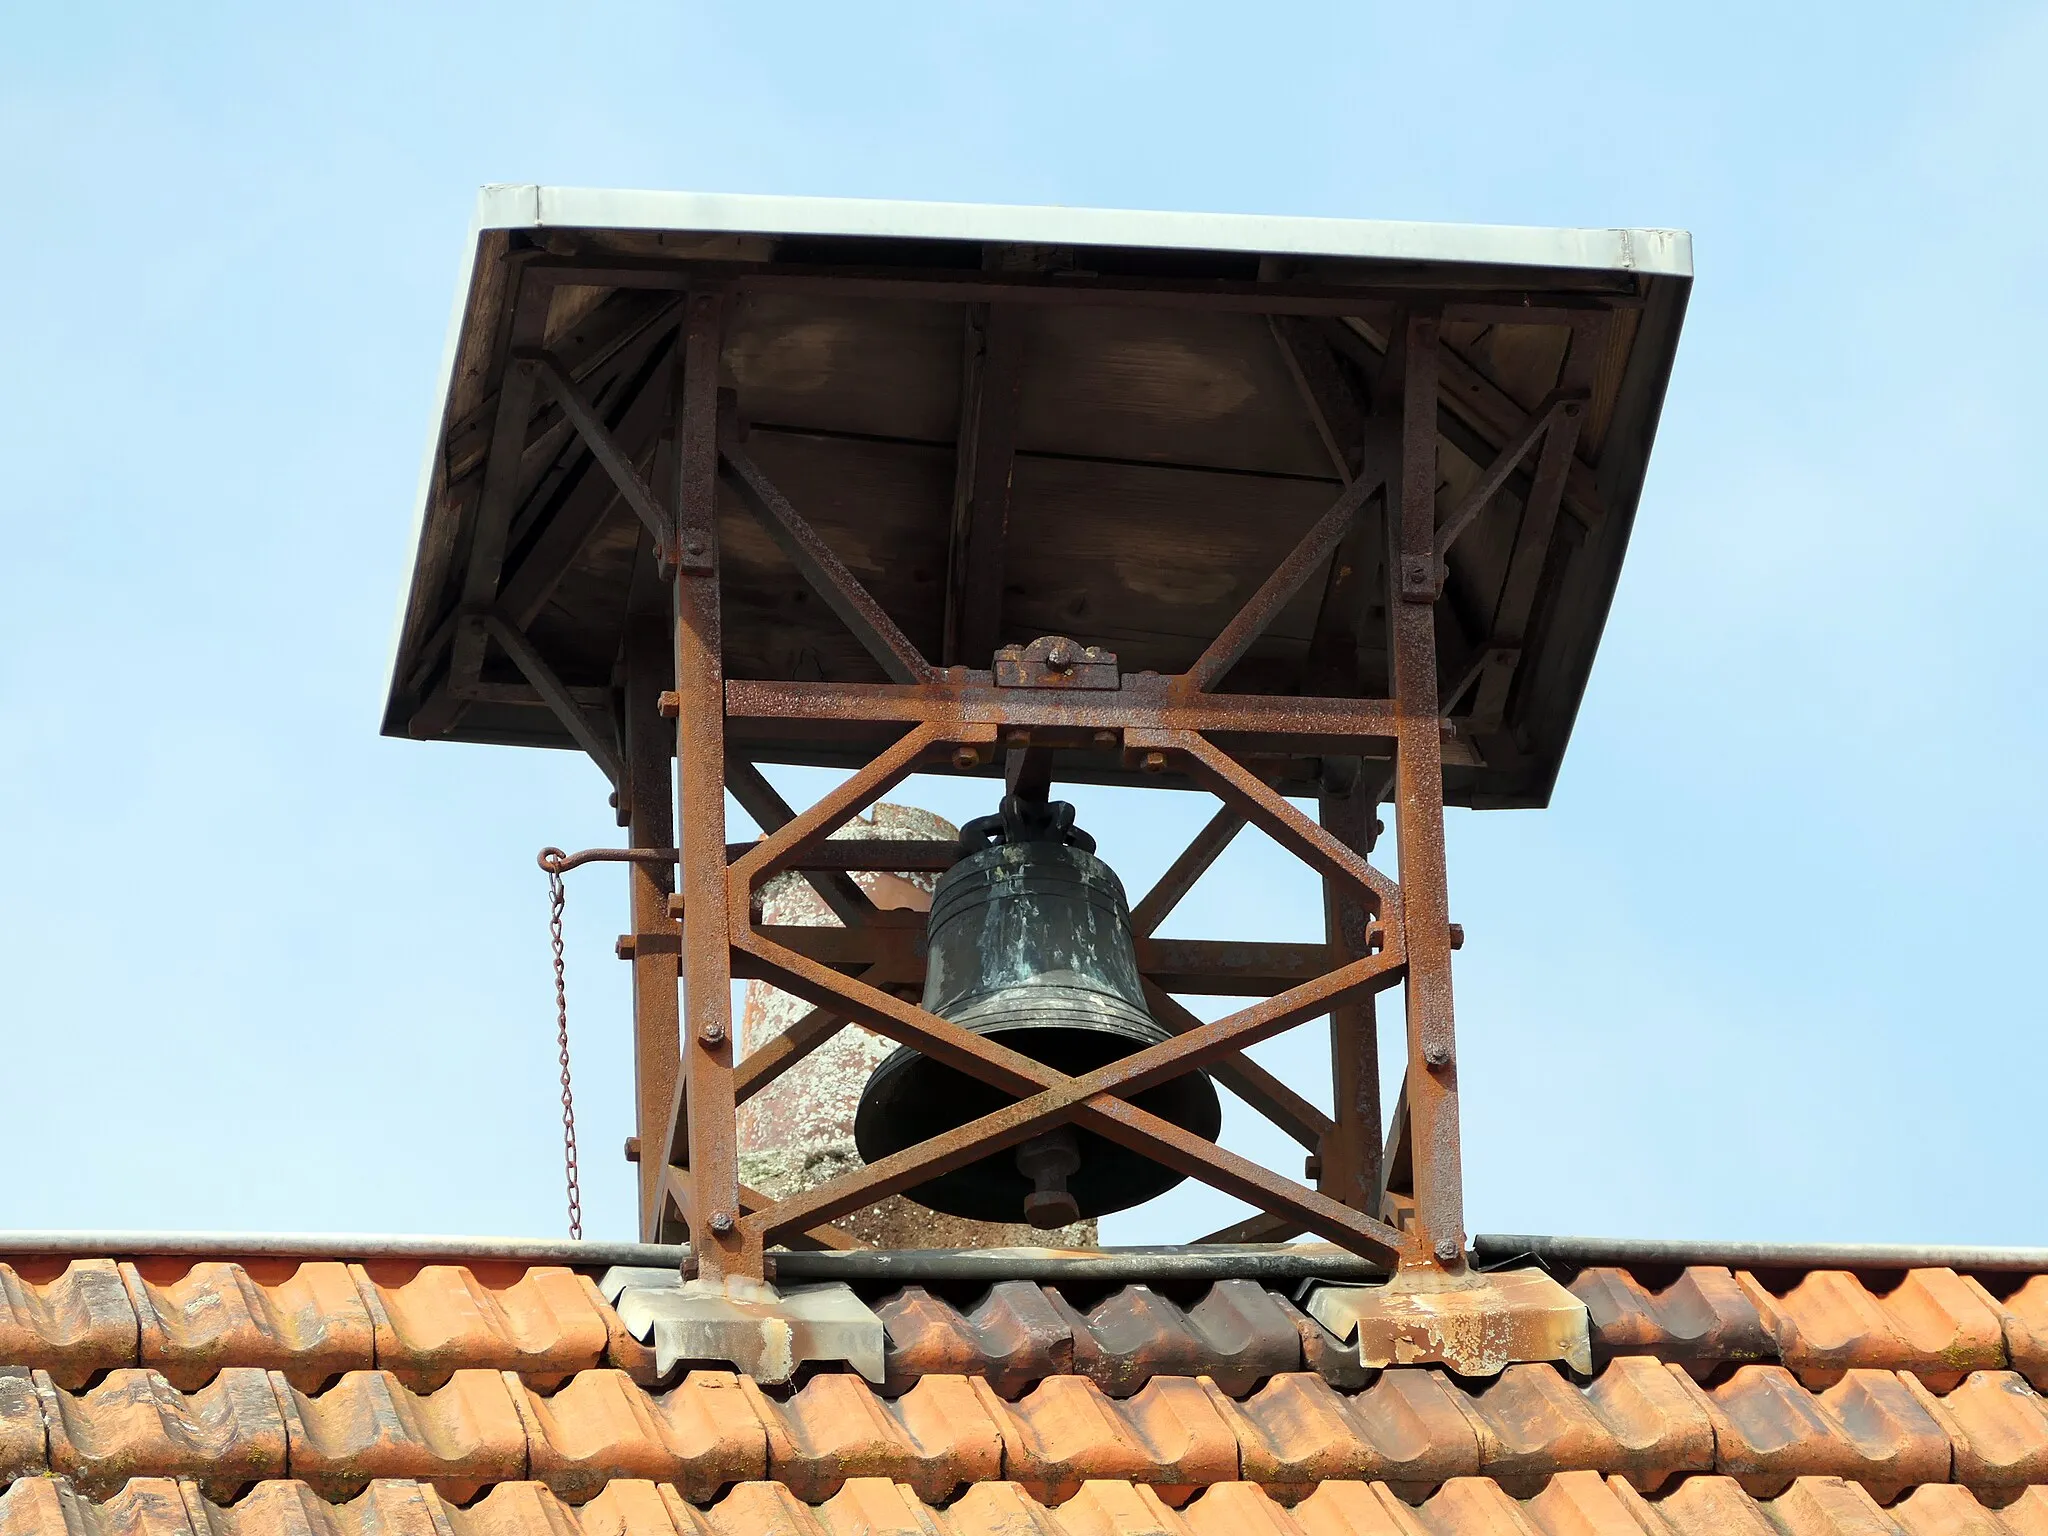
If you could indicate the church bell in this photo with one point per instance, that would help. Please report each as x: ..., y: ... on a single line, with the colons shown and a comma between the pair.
x: 1029, y: 944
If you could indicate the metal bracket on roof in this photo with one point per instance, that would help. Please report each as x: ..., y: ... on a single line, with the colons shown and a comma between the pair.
x: 1475, y: 1324
x: 748, y: 1324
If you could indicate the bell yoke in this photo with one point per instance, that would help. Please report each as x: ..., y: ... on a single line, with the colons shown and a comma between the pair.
x: 1029, y: 944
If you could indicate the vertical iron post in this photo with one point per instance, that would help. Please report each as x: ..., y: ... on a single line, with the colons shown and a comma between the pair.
x: 1416, y: 584
x: 650, y: 672
x: 1350, y: 1156
x: 716, y: 1241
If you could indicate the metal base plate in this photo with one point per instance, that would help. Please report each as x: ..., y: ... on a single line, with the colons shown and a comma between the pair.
x: 1475, y: 1324
x: 760, y: 1331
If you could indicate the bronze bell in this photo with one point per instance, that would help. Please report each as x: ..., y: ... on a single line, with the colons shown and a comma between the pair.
x: 1029, y: 943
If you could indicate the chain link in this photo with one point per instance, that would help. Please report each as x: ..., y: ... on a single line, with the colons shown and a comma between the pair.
x: 557, y: 898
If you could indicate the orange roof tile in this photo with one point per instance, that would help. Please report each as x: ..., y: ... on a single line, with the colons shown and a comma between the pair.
x: 324, y: 1397
x: 1575, y: 1504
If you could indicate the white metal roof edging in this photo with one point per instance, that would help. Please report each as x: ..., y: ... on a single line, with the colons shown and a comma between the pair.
x: 1654, y: 252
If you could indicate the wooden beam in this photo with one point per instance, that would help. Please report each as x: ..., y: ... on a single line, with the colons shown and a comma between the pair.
x: 1478, y: 417
x: 590, y: 736
x: 985, y: 459
x: 604, y: 448
x: 493, y: 520
x: 819, y: 566
x: 1502, y: 655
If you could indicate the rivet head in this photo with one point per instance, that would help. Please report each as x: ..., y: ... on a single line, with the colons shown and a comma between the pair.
x: 1446, y: 1248
x: 712, y: 1034
x: 1436, y: 1053
x: 1152, y: 762
x: 721, y: 1221
x: 965, y: 758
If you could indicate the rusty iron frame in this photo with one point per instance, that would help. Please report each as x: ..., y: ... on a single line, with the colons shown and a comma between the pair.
x: 1378, y: 933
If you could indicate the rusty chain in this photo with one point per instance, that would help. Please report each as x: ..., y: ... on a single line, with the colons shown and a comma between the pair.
x: 551, y: 860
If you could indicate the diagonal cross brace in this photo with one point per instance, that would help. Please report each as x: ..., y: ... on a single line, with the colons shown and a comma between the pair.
x: 819, y: 566
x: 1095, y: 1099
x: 603, y: 447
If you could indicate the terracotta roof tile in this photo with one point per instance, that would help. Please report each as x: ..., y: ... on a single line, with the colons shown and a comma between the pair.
x: 545, y: 1322
x: 1067, y: 1431
x: 1946, y: 1510
x: 1635, y: 1420
x: 1571, y: 1504
x: 936, y: 1437
x: 1238, y: 1334
x: 24, y: 1445
x: 135, y: 1423
x: 1997, y: 1425
x: 461, y: 1437
x: 1869, y: 1426
x: 1934, y: 1324
x: 601, y: 1426
x: 308, y: 1322
x: 1012, y: 1338
x: 2024, y: 1316
x: 1409, y: 1428
x: 74, y: 1323
x: 710, y: 1420
x: 1702, y: 1320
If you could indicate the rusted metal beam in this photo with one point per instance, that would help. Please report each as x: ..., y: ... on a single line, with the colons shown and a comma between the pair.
x: 1246, y: 1078
x: 990, y: 377
x: 855, y: 794
x: 1278, y: 589
x: 760, y: 800
x: 1180, y: 877
x: 657, y: 1061
x: 1419, y: 815
x: 1259, y: 1228
x: 1206, y: 967
x: 1096, y: 1099
x: 591, y: 736
x: 1276, y: 816
x: 820, y: 567
x: 1350, y: 1155
x: 1143, y: 702
x: 718, y: 1241
x: 676, y: 1187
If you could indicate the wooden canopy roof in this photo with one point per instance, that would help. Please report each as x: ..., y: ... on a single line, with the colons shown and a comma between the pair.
x: 1161, y: 403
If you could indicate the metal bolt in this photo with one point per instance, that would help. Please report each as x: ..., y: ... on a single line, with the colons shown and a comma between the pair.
x: 712, y: 1034
x: 1059, y: 657
x: 1457, y: 935
x: 632, y: 1149
x: 1446, y: 1250
x: 1152, y: 762
x: 721, y: 1222
x: 670, y: 704
x: 965, y: 758
x: 1105, y: 738
x: 1437, y: 1054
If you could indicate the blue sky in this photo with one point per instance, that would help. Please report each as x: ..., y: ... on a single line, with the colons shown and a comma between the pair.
x: 1769, y: 965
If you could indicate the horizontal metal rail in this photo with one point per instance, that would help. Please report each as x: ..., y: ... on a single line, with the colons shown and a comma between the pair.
x: 1495, y: 1250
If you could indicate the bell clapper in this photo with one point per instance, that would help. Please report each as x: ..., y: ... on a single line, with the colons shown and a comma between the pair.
x: 1047, y: 1161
